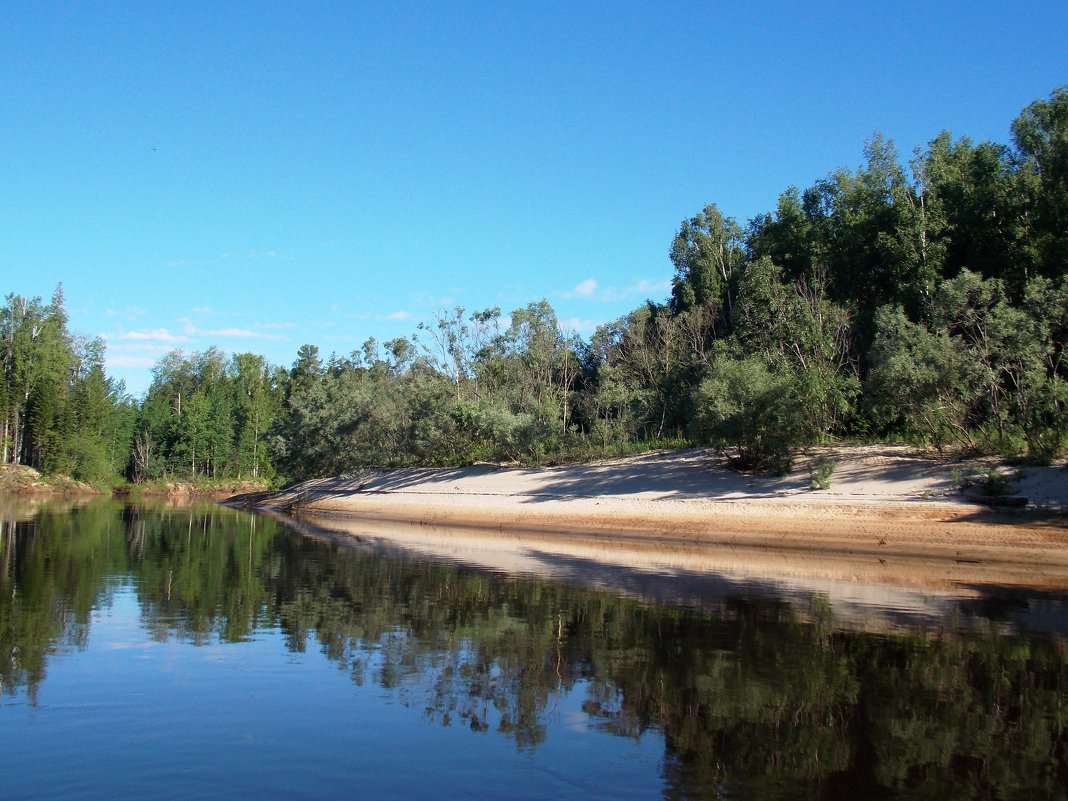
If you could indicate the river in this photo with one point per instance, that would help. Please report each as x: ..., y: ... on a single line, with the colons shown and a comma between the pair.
x: 199, y: 652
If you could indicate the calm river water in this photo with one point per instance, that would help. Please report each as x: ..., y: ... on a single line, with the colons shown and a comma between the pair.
x: 209, y: 653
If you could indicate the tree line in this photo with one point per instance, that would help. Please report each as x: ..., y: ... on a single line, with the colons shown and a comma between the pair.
x: 925, y: 300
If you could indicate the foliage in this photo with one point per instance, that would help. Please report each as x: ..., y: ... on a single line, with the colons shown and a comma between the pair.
x: 205, y: 416
x: 926, y: 301
x: 995, y: 483
x: 60, y: 413
x: 746, y: 403
x: 920, y: 380
x: 821, y: 474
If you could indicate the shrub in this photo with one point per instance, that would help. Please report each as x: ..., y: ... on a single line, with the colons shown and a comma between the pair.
x: 743, y: 402
x: 821, y: 474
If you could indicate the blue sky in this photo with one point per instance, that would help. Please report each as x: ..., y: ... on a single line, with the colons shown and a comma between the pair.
x: 260, y: 175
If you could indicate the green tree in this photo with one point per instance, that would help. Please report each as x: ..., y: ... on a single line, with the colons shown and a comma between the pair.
x: 921, y: 380
x: 977, y: 191
x: 743, y: 402
x: 706, y: 252
x: 796, y: 328
x: 786, y: 238
x: 257, y: 401
x: 1040, y: 134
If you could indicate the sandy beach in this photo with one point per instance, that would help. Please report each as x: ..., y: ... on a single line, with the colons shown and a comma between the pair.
x: 889, y: 515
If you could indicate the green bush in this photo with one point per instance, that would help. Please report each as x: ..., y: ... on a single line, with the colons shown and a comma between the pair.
x: 821, y: 474
x: 742, y: 402
x: 995, y: 483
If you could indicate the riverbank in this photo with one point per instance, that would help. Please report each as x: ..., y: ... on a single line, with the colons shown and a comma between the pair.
x: 883, y: 504
x: 189, y: 492
x: 23, y: 481
x: 17, y: 479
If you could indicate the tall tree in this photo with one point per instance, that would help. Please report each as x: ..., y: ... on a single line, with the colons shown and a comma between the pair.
x: 257, y: 402
x: 1041, y: 137
x: 706, y: 252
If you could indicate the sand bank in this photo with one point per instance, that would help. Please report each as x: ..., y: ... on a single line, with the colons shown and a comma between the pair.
x: 889, y: 515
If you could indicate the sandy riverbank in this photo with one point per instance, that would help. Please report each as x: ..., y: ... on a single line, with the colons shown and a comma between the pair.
x: 886, y: 506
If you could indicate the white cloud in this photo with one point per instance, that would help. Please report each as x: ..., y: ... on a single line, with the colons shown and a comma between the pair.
x: 644, y: 289
x: 138, y: 347
x: 234, y: 333
x: 129, y: 361
x: 277, y: 326
x: 583, y: 289
x: 154, y: 335
x: 241, y: 333
x: 398, y: 315
x: 203, y: 310
x: 591, y: 290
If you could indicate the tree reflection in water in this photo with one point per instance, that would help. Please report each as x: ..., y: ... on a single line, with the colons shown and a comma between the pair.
x: 754, y: 698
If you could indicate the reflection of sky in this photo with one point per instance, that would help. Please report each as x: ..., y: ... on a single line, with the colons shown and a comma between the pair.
x: 130, y: 713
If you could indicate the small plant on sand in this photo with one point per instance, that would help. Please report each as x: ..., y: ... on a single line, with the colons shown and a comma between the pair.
x: 994, y: 483
x: 956, y: 475
x: 821, y: 474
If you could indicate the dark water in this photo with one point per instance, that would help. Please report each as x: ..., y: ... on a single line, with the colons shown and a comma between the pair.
x: 208, y: 653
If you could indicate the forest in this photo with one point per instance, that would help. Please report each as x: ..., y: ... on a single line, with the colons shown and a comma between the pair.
x: 922, y: 301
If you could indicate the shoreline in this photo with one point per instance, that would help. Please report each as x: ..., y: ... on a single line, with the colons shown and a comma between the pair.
x: 886, y: 507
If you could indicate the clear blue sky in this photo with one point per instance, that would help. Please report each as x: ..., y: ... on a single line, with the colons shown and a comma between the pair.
x: 261, y: 175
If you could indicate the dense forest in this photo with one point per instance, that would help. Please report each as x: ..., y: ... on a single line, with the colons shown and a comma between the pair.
x: 925, y: 301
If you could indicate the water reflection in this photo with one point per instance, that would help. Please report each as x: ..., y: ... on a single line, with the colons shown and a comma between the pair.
x: 754, y: 695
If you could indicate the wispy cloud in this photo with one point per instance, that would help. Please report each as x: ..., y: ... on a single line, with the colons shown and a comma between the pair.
x: 203, y: 310
x: 228, y: 333
x: 228, y: 257
x: 129, y: 361
x: 591, y: 290
x: 398, y: 315
x: 249, y: 255
x: 578, y: 325
x: 127, y: 313
x: 422, y: 301
x: 277, y: 326
x: 153, y: 335
x: 584, y: 289
x: 645, y: 287
x: 138, y: 347
x: 239, y: 333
